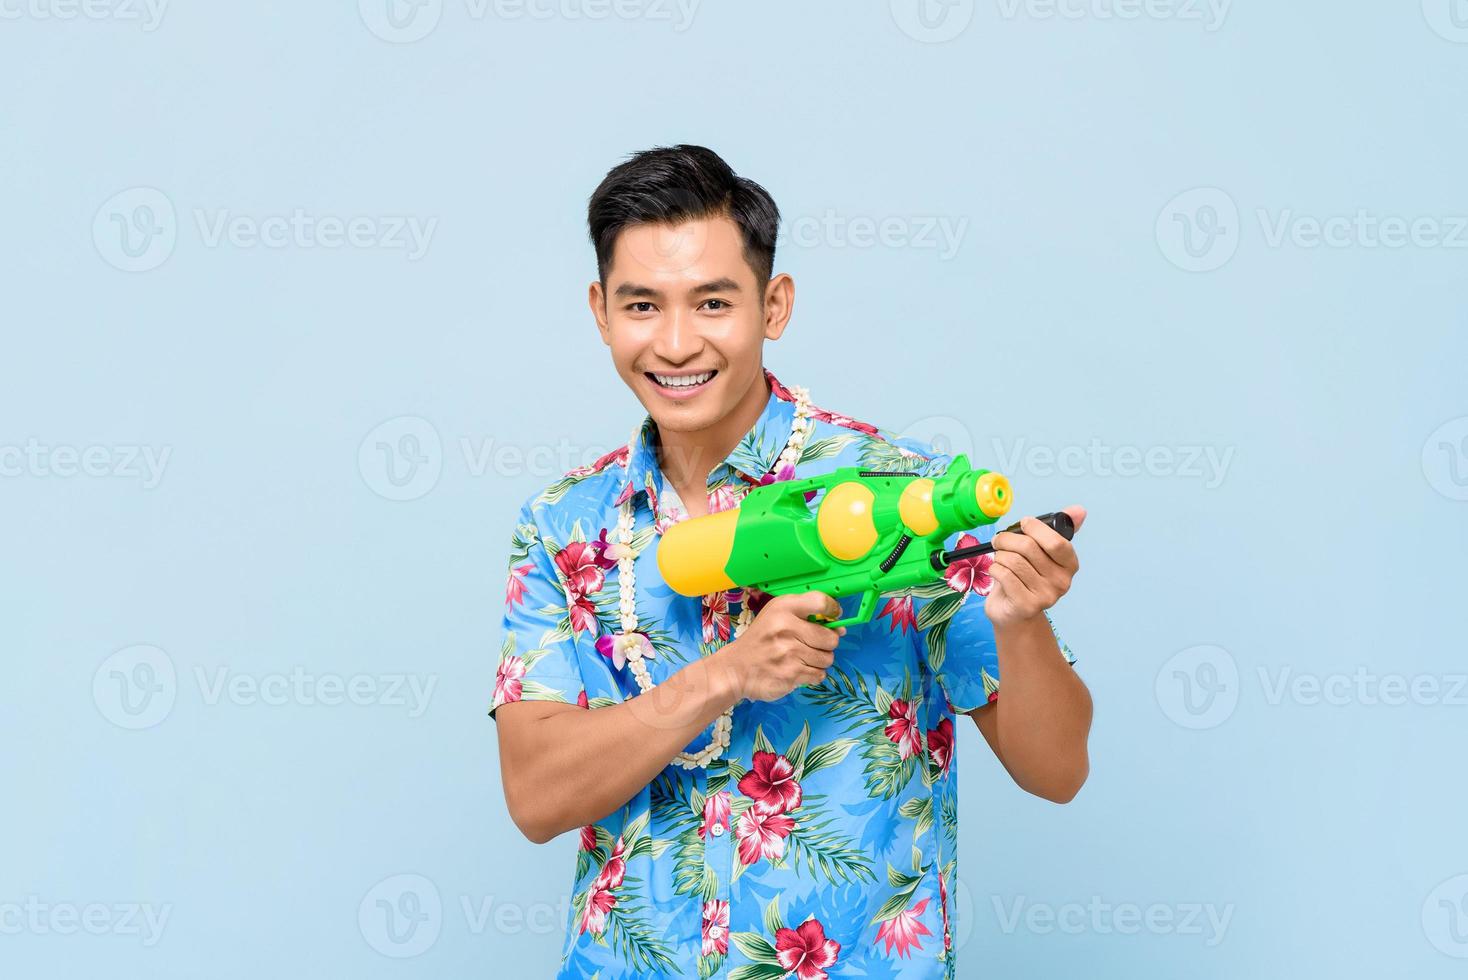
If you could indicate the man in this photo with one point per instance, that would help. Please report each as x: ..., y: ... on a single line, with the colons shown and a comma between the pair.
x: 758, y: 795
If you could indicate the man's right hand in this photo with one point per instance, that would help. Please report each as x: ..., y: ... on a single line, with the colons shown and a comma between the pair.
x: 782, y: 649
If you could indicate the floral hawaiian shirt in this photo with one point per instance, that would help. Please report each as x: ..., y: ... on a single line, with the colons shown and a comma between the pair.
x: 824, y: 843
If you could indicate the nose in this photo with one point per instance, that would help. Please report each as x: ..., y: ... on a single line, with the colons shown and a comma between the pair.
x: 677, y: 339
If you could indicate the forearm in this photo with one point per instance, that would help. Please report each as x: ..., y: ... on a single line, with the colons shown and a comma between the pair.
x: 1043, y: 715
x: 564, y: 768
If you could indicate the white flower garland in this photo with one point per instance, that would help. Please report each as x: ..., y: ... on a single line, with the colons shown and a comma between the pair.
x: 631, y: 644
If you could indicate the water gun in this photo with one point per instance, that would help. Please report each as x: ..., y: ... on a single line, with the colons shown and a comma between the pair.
x: 849, y: 532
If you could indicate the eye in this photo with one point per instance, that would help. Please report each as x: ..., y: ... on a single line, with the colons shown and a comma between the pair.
x: 640, y: 307
x: 715, y: 304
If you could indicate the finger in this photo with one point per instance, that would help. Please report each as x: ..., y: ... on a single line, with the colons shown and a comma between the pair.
x: 1051, y: 542
x: 1006, y: 587
x: 1018, y: 574
x: 1021, y: 544
x: 1077, y: 514
x: 816, y: 636
x: 811, y: 677
x: 818, y: 659
x: 817, y: 604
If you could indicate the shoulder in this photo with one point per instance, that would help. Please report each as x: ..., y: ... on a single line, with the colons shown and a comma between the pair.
x: 581, y: 496
x: 849, y: 441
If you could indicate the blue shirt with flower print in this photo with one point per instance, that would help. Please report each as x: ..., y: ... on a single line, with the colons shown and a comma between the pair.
x: 824, y: 842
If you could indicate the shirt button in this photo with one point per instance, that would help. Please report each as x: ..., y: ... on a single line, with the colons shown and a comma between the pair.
x: 718, y: 830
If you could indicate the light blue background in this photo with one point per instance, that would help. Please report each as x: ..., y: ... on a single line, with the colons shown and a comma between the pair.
x: 1332, y: 539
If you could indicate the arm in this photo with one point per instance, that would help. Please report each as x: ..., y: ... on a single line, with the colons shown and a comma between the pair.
x: 565, y: 767
x: 1039, y: 726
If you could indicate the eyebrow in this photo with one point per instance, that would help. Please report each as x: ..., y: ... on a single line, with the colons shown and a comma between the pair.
x: 629, y: 290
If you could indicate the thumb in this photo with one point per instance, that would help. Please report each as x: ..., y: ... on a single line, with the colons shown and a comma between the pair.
x: 1077, y: 514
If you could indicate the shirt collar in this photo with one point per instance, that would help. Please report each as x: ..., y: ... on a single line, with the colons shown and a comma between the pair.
x: 754, y: 456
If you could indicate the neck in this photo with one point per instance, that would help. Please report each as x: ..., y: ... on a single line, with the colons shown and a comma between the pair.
x: 687, y: 458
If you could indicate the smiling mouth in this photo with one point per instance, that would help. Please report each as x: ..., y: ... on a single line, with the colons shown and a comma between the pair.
x: 681, y: 382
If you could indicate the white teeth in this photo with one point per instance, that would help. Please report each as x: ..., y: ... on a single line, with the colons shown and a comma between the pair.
x: 682, y: 380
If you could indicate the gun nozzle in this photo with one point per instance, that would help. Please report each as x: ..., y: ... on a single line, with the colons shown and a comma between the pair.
x: 993, y: 495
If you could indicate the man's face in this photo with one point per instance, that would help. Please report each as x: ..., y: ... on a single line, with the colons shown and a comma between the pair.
x: 686, y: 320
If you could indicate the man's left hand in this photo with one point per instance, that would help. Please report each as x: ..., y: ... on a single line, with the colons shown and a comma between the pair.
x: 1031, y: 571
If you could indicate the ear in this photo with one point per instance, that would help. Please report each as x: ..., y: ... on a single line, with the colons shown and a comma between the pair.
x: 779, y: 303
x: 596, y: 299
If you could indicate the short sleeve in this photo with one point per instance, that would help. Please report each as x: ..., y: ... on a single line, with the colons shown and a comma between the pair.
x: 538, y: 658
x: 954, y: 635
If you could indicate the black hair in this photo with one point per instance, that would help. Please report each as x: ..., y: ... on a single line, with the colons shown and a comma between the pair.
x: 671, y: 184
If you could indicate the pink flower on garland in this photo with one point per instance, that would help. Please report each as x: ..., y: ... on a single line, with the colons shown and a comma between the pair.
x: 621, y: 647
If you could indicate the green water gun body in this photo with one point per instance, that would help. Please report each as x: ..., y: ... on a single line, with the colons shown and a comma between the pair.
x: 866, y: 532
